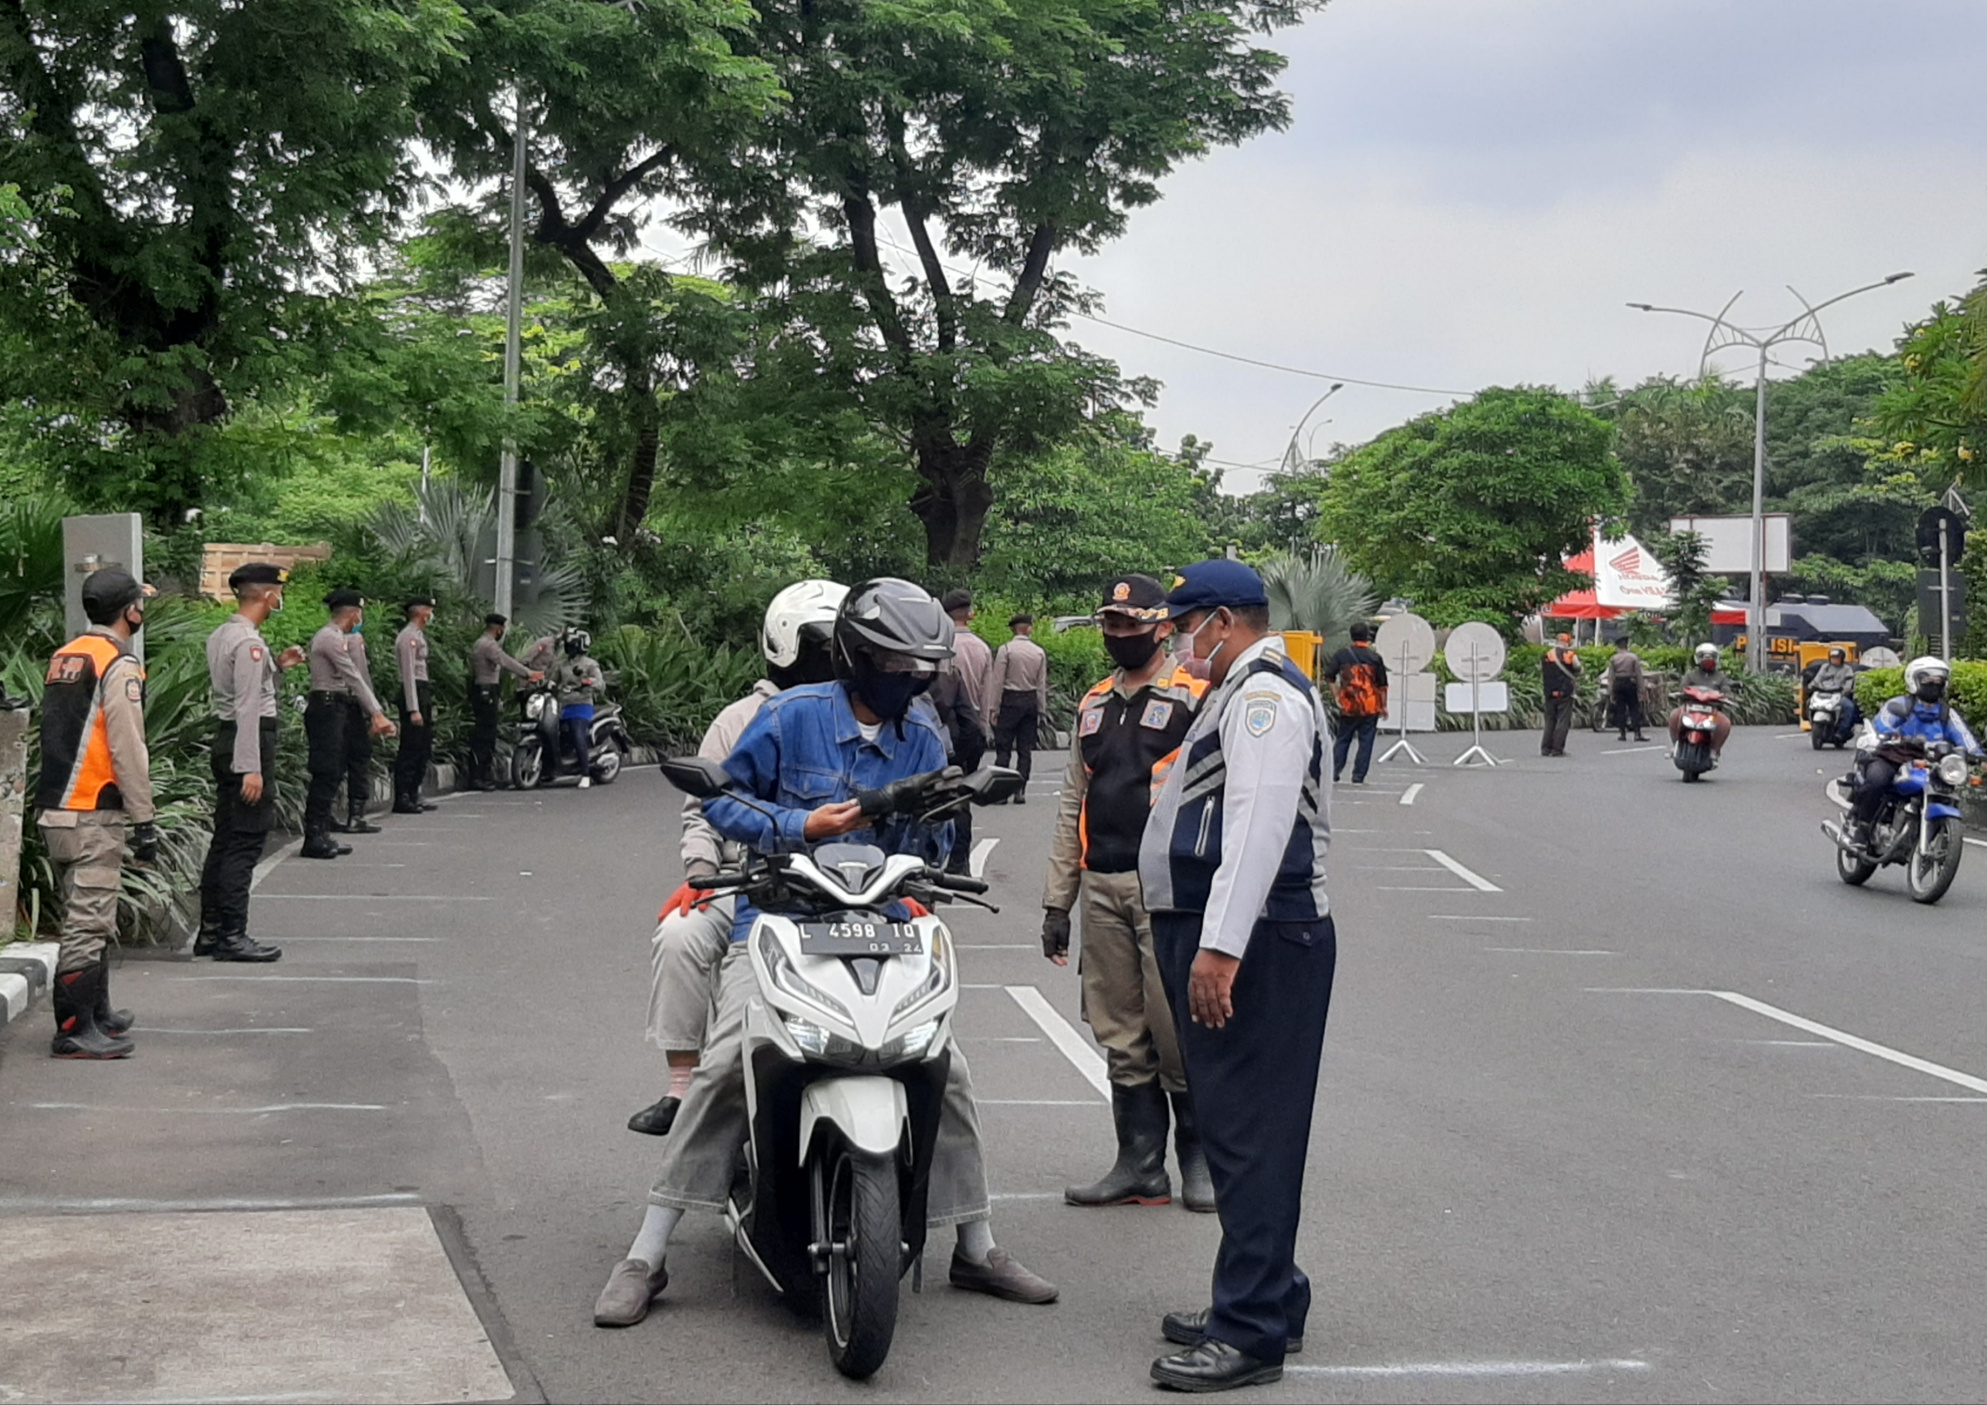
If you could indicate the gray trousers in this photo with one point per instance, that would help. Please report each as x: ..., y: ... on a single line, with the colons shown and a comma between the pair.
x: 711, y: 1125
x: 684, y: 956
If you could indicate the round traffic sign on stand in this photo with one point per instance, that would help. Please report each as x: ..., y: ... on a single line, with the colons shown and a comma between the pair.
x: 1406, y: 642
x: 1475, y: 652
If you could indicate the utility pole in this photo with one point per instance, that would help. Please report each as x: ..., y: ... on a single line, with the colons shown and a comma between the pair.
x: 513, y: 369
x: 1291, y: 462
x: 1723, y: 334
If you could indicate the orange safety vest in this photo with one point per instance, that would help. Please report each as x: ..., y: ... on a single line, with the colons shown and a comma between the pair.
x: 76, y: 769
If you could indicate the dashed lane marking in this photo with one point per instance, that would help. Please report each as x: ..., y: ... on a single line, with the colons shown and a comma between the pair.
x: 116, y: 1205
x: 1631, y: 750
x: 378, y: 897
x: 1407, y: 796
x: 1547, y: 951
x: 1465, y: 917
x: 1471, y: 1369
x: 1475, y: 880
x: 211, y: 1111
x: 147, y: 1029
x: 1086, y: 1060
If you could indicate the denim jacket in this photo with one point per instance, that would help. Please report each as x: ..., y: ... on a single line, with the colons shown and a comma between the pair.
x: 804, y: 750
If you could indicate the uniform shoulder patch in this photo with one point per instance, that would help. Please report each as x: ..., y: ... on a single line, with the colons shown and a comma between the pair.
x: 1093, y: 718
x: 1259, y: 713
x: 255, y: 652
x: 1157, y: 714
x: 134, y: 689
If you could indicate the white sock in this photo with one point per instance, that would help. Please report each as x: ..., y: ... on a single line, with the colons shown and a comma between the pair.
x: 679, y: 1079
x: 976, y: 1240
x: 653, y: 1241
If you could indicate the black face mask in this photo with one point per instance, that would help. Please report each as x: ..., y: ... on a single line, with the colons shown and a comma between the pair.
x: 1132, y: 651
x: 890, y: 695
x: 1932, y: 690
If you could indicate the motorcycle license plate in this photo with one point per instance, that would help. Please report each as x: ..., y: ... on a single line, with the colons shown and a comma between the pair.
x: 860, y: 939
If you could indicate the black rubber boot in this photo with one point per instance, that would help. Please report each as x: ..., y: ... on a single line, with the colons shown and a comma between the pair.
x: 236, y: 945
x: 114, y: 1022
x: 1196, y: 1185
x: 77, y: 1034
x: 657, y: 1119
x: 1139, y: 1176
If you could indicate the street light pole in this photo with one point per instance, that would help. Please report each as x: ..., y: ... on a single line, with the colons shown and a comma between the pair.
x: 1291, y: 462
x: 1723, y: 334
x: 513, y: 373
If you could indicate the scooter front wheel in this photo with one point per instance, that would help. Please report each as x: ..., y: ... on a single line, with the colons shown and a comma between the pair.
x: 863, y: 1240
x: 528, y: 764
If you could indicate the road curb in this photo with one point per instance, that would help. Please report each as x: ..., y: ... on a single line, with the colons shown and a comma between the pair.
x: 26, y: 969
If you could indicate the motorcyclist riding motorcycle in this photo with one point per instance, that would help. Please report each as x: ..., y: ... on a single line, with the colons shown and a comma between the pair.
x: 805, y: 758
x: 1705, y: 674
x: 693, y: 931
x: 1837, y: 676
x: 1920, y: 714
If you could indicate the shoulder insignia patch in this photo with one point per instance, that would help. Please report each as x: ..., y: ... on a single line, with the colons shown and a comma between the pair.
x: 1259, y: 714
x: 1093, y: 718
x: 255, y: 652
x: 1157, y: 714
x: 134, y: 689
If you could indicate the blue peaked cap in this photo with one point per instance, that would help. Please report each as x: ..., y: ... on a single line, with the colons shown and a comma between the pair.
x: 1209, y: 585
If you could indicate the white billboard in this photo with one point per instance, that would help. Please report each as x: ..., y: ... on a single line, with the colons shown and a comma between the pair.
x: 1728, y: 542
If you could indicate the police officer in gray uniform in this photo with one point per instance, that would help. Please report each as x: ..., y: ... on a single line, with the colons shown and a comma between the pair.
x: 417, y: 703
x: 358, y: 745
x: 242, y: 670
x: 487, y: 665
x: 1232, y: 866
x: 337, y: 690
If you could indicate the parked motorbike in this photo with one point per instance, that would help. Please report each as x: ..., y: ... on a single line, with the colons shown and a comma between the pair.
x: 847, y: 1051
x: 541, y: 750
x: 1699, y: 729
x: 1919, y: 825
x: 1831, y: 719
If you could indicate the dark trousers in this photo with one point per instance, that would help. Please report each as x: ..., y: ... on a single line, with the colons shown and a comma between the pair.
x: 1627, y: 697
x: 483, y: 710
x: 240, y: 830
x: 1253, y: 1083
x: 358, y: 759
x: 1362, y: 729
x: 1872, y: 786
x: 417, y: 743
x: 1016, y: 731
x: 579, y: 731
x: 327, y: 729
x: 961, y: 858
x: 1558, y: 721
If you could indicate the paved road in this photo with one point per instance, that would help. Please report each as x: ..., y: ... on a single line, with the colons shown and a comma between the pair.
x: 1626, y: 1097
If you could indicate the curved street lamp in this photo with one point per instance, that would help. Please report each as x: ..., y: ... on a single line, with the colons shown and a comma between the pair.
x: 1291, y: 462
x: 1723, y: 334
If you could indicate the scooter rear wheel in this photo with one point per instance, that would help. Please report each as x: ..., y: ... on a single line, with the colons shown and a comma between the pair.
x: 864, y: 1235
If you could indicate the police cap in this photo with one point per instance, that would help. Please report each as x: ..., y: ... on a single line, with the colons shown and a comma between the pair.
x: 418, y: 602
x: 1213, y: 585
x: 345, y: 600
x: 257, y: 573
x: 107, y: 593
x: 494, y: 618
x: 1140, y: 597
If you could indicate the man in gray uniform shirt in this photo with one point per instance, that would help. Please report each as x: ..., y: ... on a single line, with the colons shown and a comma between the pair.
x: 417, y: 720
x: 337, y: 689
x: 242, y: 672
x: 487, y: 665
x: 358, y: 746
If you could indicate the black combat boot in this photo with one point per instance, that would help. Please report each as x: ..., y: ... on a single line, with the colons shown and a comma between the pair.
x: 235, y: 944
x: 111, y: 1021
x: 1196, y: 1185
x: 356, y: 821
x: 209, y: 935
x: 77, y: 1034
x: 1139, y: 1175
x: 318, y: 843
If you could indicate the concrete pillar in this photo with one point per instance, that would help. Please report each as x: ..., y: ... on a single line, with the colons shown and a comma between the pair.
x: 13, y: 798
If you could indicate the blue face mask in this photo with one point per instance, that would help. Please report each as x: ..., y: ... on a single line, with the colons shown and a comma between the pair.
x: 359, y: 627
x: 890, y: 695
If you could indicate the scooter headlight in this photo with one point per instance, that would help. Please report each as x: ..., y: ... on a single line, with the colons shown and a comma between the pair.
x: 938, y: 980
x: 791, y: 981
x: 822, y: 1043
x: 1952, y: 770
x: 911, y: 1044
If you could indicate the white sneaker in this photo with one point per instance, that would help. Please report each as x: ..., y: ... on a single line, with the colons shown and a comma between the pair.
x: 586, y: 782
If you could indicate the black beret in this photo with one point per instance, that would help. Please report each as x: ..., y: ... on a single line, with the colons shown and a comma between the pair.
x: 257, y: 573
x: 344, y: 600
x: 415, y: 602
x: 494, y: 618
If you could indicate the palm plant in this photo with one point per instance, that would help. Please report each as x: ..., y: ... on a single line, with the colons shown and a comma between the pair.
x: 1317, y: 591
x: 446, y: 535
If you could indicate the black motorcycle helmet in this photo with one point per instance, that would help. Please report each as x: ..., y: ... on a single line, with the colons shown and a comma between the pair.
x: 890, y: 637
x: 578, y: 641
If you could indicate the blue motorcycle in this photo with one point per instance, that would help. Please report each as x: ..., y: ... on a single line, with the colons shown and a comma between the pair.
x: 1918, y: 826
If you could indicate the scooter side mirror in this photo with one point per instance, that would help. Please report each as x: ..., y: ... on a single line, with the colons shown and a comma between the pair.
x: 994, y: 785
x: 696, y: 776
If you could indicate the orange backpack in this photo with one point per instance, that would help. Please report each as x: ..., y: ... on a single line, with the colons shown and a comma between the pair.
x: 1359, y: 691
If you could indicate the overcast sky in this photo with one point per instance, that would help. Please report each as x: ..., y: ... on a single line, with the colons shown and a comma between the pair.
x: 1471, y: 190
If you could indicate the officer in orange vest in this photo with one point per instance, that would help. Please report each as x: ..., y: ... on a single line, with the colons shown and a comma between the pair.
x: 96, y: 785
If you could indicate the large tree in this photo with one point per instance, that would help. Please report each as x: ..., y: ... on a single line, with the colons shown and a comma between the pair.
x: 1468, y: 511
x: 192, y: 167
x: 996, y: 136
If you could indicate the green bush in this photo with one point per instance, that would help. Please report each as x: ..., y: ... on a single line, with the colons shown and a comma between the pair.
x: 669, y: 685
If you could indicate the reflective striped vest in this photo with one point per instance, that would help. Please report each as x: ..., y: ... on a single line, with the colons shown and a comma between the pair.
x: 76, y: 771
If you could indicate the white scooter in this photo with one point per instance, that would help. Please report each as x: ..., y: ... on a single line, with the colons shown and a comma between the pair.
x: 847, y: 1049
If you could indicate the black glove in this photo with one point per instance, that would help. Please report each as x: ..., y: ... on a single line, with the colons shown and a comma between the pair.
x: 1055, y: 932
x: 145, y: 842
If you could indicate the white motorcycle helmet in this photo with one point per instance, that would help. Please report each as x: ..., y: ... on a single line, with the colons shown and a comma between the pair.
x: 802, y: 613
x: 1706, y: 654
x: 1924, y: 669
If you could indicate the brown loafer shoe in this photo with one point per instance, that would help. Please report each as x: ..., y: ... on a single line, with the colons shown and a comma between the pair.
x: 1001, y: 1276
x: 629, y: 1291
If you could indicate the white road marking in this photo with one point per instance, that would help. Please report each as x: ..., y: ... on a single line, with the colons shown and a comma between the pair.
x: 998, y: 946
x: 325, y: 980
x: 1464, y: 917
x: 1037, y: 1102
x: 1407, y: 796
x: 1981, y: 842
x: 1029, y: 1195
x: 1471, y: 1368
x: 262, y: 870
x: 1087, y: 1060
x: 1892, y: 1098
x: 211, y: 1111
x: 1547, y: 951
x: 1387, y: 888
x: 1626, y: 750
x: 1475, y: 880
x: 1789, y: 736
x: 377, y: 897
x: 264, y: 1029
x: 1001, y: 1039
x: 976, y: 862
x: 365, y: 939
x: 59, y: 1204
